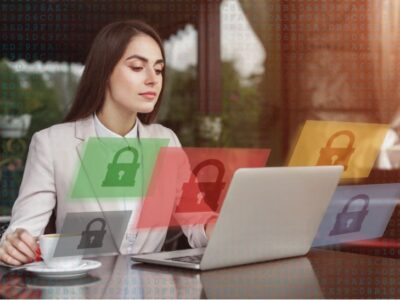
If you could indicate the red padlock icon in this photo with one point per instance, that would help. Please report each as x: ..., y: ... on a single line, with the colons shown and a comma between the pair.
x: 202, y: 196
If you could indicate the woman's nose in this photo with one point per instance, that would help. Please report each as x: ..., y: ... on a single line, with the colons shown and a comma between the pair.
x: 151, y: 77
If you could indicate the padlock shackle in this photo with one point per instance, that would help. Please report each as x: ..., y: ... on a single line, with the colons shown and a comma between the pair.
x: 347, y: 133
x: 357, y: 197
x: 209, y: 162
x: 101, y: 220
x: 130, y: 149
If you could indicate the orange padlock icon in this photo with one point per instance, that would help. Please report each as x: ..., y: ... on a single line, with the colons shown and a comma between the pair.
x: 337, y: 155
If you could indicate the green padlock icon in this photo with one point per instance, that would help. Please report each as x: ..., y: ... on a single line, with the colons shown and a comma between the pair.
x: 122, y: 174
x: 330, y: 155
x: 93, y: 238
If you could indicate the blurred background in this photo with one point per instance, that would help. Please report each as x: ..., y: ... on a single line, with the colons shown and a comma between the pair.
x: 240, y: 73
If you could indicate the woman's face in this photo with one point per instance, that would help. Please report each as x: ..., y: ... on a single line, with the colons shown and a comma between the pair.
x: 136, y: 81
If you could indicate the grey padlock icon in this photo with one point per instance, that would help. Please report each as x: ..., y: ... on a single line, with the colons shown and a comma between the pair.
x: 350, y: 221
x: 93, y: 238
x: 122, y: 174
x: 330, y: 155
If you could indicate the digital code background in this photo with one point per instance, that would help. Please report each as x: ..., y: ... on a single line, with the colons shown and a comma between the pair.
x: 240, y: 74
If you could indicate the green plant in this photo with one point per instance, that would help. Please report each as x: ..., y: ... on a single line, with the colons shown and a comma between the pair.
x: 240, y: 117
x: 12, y: 98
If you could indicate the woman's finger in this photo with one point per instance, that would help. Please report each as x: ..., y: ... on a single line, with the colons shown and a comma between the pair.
x: 22, y: 247
x: 15, y: 253
x: 7, y: 259
x: 27, y: 238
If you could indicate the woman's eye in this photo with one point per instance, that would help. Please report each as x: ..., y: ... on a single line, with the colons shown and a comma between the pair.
x: 137, y: 68
x: 158, y: 72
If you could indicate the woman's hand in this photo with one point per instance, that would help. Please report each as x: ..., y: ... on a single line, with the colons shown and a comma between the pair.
x: 210, y: 227
x: 18, y: 248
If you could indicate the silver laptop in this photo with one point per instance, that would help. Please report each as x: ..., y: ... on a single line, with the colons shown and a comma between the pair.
x: 268, y: 213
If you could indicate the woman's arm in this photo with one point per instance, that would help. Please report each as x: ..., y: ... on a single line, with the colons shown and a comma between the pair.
x: 35, y: 202
x: 196, y: 233
x: 209, y: 227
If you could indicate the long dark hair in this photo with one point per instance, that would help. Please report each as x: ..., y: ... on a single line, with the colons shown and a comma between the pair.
x: 107, y: 49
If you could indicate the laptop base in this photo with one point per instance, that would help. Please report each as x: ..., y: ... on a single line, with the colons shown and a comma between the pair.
x: 172, y: 258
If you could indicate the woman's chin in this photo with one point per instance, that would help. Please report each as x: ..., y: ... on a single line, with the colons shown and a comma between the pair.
x: 142, y: 108
x: 145, y: 109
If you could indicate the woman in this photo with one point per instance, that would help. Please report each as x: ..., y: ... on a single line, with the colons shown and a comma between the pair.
x: 119, y: 95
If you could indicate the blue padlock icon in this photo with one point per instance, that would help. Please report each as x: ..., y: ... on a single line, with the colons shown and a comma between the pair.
x: 351, y: 221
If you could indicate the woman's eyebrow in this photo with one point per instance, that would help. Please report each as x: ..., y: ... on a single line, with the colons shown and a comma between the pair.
x: 159, y: 61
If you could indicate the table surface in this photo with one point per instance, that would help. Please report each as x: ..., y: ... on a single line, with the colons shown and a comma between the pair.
x: 320, y: 274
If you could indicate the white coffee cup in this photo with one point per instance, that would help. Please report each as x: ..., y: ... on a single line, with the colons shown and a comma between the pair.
x: 48, y: 244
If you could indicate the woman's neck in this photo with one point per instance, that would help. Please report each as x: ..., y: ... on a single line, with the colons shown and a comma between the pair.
x: 117, y: 121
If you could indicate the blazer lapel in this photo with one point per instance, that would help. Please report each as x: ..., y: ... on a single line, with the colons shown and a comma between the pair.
x: 84, y: 129
x: 143, y: 234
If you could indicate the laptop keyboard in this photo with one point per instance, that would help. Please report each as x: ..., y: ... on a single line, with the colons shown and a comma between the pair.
x: 192, y: 259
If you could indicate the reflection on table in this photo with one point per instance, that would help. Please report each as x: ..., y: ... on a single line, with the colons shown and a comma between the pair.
x: 321, y: 274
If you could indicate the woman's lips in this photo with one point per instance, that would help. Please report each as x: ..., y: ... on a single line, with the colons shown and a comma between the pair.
x: 148, y: 96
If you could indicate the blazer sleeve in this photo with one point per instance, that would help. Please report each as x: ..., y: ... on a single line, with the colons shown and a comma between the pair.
x: 37, y: 194
x: 195, y: 234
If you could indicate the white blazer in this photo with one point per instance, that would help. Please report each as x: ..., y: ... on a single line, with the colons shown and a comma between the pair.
x: 49, y: 172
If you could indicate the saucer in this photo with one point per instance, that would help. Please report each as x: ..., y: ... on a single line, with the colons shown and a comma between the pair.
x: 47, y: 283
x: 43, y: 271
